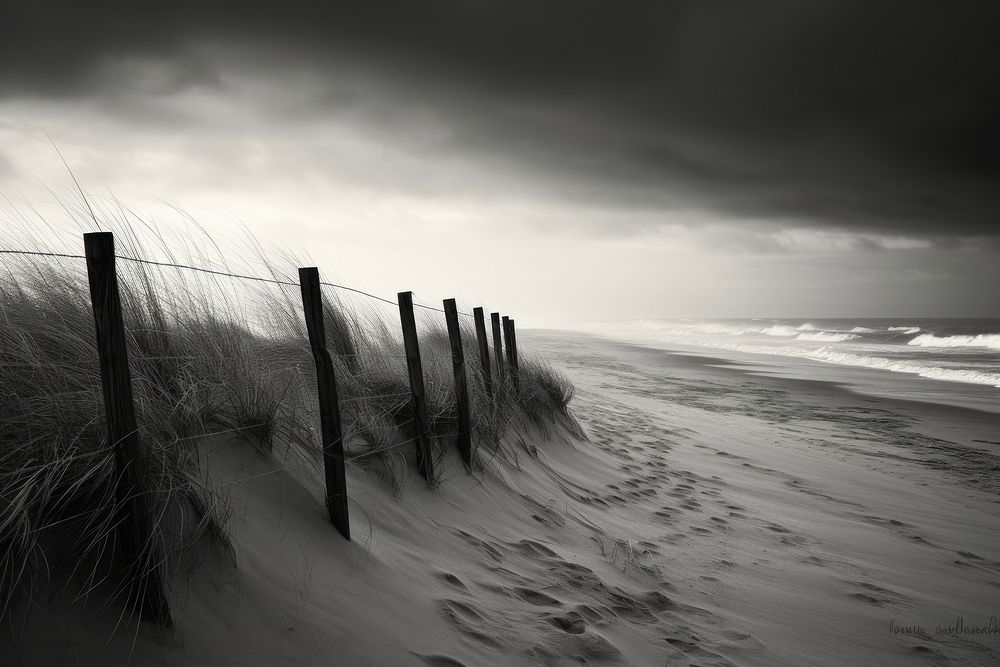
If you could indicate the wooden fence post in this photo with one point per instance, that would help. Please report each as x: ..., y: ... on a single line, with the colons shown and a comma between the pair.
x: 329, y: 406
x: 134, y: 531
x: 461, y: 384
x: 425, y: 460
x: 508, y: 336
x: 497, y: 345
x: 513, y: 345
x: 506, y: 343
x: 484, y: 349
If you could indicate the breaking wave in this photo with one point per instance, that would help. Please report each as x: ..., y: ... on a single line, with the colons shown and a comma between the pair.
x: 826, y: 337
x: 898, y: 349
x: 991, y: 341
x: 896, y: 366
x: 781, y: 330
x: 829, y: 355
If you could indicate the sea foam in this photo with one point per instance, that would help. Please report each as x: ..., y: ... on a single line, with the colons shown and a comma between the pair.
x: 793, y: 341
x: 991, y: 341
x: 828, y: 354
x: 826, y: 337
x: 780, y: 330
x: 897, y: 366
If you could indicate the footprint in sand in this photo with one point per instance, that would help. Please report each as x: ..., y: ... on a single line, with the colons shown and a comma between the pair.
x: 903, y: 530
x: 452, y: 580
x: 570, y: 622
x: 489, y: 549
x: 740, y: 639
x: 472, y: 623
x: 691, y: 649
x: 878, y: 596
x: 977, y: 561
x: 537, y: 598
x: 533, y: 549
x: 441, y: 661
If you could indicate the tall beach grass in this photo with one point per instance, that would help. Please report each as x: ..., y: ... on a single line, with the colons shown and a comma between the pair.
x: 209, y: 356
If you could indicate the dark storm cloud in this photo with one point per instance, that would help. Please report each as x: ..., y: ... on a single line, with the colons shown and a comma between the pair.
x: 875, y: 116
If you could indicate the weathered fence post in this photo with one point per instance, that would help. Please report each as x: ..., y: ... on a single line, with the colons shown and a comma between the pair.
x: 329, y: 405
x: 513, y: 345
x: 461, y: 384
x: 134, y: 531
x: 425, y: 460
x: 508, y: 336
x: 484, y: 349
x: 506, y: 343
x: 497, y: 345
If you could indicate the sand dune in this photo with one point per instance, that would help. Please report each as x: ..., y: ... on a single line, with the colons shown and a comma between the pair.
x: 707, y: 516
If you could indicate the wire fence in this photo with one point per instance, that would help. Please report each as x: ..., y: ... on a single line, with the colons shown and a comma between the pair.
x: 381, y: 354
x: 371, y: 404
x: 211, y: 375
x: 188, y: 267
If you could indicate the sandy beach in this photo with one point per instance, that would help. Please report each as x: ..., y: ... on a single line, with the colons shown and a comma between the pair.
x: 808, y: 519
x: 706, y: 514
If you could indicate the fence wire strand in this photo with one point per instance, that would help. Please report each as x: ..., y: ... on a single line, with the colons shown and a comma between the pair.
x: 41, y: 254
x: 238, y: 276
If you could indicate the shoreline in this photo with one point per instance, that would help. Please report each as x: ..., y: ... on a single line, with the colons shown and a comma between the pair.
x: 936, y: 426
x: 862, y: 379
x: 783, y: 371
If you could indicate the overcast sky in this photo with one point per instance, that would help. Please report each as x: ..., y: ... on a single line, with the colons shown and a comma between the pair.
x: 557, y: 160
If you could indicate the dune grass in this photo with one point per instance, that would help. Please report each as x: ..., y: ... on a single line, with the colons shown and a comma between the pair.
x: 208, y: 356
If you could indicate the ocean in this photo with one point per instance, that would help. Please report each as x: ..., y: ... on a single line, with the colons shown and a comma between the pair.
x: 954, y: 361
